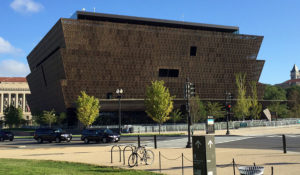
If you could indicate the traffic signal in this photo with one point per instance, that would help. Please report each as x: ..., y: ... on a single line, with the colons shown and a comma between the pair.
x: 228, y: 107
x: 189, y: 90
x: 192, y: 90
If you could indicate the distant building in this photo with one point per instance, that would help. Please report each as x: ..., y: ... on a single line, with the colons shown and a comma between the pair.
x: 295, y: 73
x: 295, y: 78
x: 14, y: 91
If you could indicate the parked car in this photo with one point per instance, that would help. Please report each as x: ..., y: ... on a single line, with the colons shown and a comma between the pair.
x: 99, y: 135
x: 6, y: 135
x: 50, y: 135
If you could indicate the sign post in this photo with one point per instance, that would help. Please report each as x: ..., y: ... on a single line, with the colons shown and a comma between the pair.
x: 204, y: 155
x: 210, y: 125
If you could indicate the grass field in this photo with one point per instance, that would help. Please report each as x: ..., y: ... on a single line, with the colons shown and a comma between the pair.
x: 45, y: 167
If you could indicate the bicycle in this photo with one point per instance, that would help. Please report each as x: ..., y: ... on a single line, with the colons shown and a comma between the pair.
x: 142, y: 154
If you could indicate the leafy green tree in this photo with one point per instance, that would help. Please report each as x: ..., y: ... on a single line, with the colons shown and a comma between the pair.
x: 274, y: 93
x: 255, y: 107
x: 176, y: 115
x: 49, y: 117
x: 197, y: 109
x: 60, y: 119
x: 87, y: 109
x: 293, y: 96
x: 280, y: 109
x: 13, y: 116
x: 158, y: 102
x: 215, y: 109
x: 241, y: 109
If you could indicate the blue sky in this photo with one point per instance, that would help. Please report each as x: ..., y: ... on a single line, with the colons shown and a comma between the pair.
x: 23, y: 23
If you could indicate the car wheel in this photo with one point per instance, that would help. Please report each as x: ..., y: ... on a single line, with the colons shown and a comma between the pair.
x: 1, y: 139
x: 50, y: 141
x: 57, y: 140
x: 68, y: 139
x: 40, y: 140
x: 86, y: 140
x: 11, y: 139
x: 104, y: 140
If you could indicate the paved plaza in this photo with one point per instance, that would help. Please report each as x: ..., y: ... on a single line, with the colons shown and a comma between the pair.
x: 171, y: 157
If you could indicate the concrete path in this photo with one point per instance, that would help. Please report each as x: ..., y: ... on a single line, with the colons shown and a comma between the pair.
x: 284, y: 164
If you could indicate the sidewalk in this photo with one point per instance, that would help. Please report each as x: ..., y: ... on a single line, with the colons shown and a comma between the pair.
x: 283, y: 163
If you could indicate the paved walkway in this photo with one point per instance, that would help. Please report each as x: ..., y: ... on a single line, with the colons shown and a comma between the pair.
x: 283, y: 163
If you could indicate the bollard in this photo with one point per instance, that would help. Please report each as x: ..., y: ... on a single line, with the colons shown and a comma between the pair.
x: 159, y: 162
x: 284, y: 144
x: 272, y: 170
x: 139, y: 141
x: 233, y: 165
x: 155, y: 143
x: 182, y: 163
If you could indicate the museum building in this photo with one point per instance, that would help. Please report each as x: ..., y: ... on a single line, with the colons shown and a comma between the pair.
x: 100, y: 53
x: 14, y: 92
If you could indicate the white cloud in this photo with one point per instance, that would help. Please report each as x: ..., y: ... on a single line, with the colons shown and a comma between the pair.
x: 12, y: 68
x: 26, y: 6
x: 7, y: 48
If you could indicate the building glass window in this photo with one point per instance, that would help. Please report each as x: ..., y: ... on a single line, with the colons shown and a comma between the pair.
x: 193, y: 51
x: 168, y: 73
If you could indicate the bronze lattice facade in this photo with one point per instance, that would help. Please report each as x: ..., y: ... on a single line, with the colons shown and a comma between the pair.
x: 99, y: 53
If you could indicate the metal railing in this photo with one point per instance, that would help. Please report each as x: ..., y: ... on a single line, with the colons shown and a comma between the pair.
x: 202, y: 126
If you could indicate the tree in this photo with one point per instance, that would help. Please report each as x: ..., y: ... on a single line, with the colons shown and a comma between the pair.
x: 293, y: 96
x: 176, y: 116
x: 158, y: 102
x: 276, y: 93
x: 49, y: 117
x: 197, y: 110
x: 241, y: 109
x: 87, y: 109
x: 215, y: 109
x: 60, y: 119
x: 280, y: 109
x: 255, y: 107
x: 13, y: 116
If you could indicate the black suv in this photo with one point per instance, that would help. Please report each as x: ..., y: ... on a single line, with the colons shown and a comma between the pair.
x: 6, y: 135
x: 103, y: 135
x: 49, y: 134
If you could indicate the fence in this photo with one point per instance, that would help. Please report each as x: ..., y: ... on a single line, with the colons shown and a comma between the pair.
x: 202, y: 126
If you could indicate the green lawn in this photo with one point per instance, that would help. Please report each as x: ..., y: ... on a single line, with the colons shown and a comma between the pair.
x: 45, y: 167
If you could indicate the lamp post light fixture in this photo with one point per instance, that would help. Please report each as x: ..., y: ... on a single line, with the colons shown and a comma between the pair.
x: 119, y: 95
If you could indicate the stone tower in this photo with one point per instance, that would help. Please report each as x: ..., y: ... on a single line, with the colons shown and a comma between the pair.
x: 295, y: 73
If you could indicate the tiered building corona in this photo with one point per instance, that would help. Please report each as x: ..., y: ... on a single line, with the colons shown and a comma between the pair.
x: 99, y: 53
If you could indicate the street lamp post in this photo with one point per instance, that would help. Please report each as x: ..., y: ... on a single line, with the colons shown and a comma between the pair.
x: 119, y: 93
x: 228, y: 107
x: 187, y: 94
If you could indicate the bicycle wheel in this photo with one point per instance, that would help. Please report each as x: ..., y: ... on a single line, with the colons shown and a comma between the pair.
x: 132, y: 160
x: 149, y: 157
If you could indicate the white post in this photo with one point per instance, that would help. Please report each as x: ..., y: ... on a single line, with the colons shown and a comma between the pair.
x: 2, y: 101
x: 9, y: 99
x: 23, y: 103
x: 17, y: 100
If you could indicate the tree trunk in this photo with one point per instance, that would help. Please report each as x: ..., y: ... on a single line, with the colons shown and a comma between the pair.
x: 159, y: 129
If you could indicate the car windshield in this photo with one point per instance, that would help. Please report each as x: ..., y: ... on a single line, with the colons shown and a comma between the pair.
x: 108, y: 131
x: 59, y: 131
